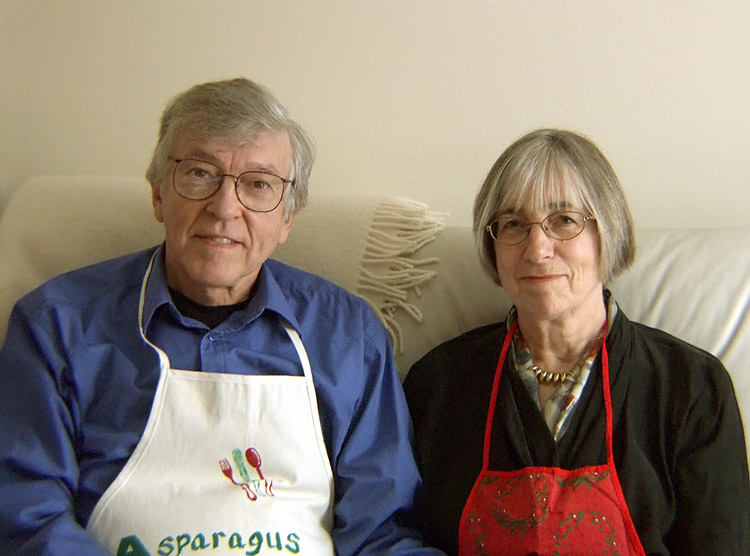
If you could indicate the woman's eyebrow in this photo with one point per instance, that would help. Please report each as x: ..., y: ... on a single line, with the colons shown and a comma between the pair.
x: 551, y: 207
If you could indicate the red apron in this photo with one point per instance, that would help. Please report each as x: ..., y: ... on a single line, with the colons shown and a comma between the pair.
x: 547, y: 510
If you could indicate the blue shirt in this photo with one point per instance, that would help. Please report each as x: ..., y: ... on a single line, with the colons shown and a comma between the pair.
x: 78, y: 384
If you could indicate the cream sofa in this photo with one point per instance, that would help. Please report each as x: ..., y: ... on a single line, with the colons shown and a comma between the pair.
x: 421, y: 277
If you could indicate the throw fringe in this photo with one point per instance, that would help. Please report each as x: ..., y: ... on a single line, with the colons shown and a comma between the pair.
x: 399, y: 228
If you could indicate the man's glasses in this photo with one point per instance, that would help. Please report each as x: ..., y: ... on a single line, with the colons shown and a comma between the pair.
x: 512, y: 230
x: 257, y: 191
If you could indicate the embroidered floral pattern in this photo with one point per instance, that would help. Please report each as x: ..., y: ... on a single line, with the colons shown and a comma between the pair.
x: 595, y: 520
x: 479, y: 534
x: 538, y: 510
x: 586, y: 480
x: 532, y: 491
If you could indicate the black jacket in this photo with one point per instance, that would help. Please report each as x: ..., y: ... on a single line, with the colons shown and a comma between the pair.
x: 679, y: 445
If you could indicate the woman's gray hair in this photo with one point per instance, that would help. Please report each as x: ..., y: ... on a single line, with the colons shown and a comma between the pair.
x: 563, y: 166
x: 236, y: 110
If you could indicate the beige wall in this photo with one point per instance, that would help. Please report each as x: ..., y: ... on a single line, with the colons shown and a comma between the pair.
x: 414, y: 98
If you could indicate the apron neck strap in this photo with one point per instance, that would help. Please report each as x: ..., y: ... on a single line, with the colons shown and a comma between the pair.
x: 493, y: 396
x: 496, y: 387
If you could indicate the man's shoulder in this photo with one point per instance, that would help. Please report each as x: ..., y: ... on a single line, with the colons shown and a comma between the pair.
x: 107, y: 277
x: 297, y: 282
x: 319, y: 304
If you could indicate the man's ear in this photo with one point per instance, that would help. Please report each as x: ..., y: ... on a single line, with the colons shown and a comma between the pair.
x: 286, y: 227
x: 156, y: 202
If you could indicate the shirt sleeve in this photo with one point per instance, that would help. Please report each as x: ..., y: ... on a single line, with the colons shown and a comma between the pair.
x: 375, y: 473
x: 712, y: 505
x: 38, y: 465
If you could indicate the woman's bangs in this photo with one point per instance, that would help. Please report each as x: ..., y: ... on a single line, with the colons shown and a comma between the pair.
x: 542, y: 189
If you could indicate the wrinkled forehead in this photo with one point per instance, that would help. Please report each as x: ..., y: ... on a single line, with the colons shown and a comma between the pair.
x: 231, y: 139
x: 554, y: 186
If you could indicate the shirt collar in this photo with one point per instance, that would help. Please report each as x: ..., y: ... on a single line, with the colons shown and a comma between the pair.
x: 267, y: 295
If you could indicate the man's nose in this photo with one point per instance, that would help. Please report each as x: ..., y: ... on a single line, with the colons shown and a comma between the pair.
x: 224, y: 203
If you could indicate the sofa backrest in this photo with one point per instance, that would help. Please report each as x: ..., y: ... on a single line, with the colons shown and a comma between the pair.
x: 422, y: 278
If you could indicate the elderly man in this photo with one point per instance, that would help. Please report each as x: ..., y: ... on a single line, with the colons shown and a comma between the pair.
x: 199, y: 397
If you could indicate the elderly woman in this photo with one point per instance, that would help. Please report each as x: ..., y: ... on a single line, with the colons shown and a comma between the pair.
x: 566, y: 428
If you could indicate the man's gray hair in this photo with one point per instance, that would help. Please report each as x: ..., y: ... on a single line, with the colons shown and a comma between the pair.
x: 236, y: 110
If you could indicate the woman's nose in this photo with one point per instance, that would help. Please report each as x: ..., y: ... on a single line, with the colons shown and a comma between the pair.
x: 539, y: 245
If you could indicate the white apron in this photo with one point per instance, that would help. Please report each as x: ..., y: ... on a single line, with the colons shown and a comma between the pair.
x: 228, y: 464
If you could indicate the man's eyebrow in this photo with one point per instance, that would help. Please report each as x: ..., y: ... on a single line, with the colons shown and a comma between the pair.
x: 200, y: 154
x: 206, y: 156
x: 263, y: 168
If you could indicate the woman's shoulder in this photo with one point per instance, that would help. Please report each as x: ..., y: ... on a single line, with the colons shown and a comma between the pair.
x: 478, y: 339
x: 458, y: 361
x: 669, y: 358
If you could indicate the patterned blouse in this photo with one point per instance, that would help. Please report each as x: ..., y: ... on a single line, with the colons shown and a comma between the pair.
x: 561, y: 403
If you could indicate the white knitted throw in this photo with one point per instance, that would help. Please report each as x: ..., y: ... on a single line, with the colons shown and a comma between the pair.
x: 368, y: 246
